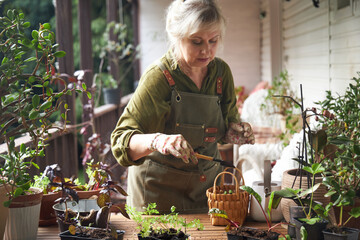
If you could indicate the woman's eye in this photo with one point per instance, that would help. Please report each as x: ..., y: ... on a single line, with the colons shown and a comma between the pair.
x: 196, y: 42
x: 213, y: 41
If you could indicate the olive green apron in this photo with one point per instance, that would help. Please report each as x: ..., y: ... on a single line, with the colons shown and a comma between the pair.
x: 167, y: 180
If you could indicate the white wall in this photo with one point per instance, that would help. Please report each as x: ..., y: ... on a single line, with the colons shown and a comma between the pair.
x: 241, y: 44
x: 321, y: 46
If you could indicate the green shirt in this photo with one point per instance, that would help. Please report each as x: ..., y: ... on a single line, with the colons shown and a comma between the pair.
x: 149, y: 108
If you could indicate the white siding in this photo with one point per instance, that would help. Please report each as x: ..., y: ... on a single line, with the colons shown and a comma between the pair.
x: 321, y: 46
x: 306, y: 47
x: 265, y: 55
x: 241, y: 44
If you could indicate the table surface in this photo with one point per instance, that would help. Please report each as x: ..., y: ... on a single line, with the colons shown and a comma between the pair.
x: 129, y: 226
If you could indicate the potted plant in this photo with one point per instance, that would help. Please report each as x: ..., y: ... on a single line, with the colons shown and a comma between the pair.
x: 241, y: 232
x: 284, y: 107
x: 315, y: 216
x: 161, y: 226
x: 50, y: 194
x: 338, y: 145
x: 119, y: 53
x: 29, y: 100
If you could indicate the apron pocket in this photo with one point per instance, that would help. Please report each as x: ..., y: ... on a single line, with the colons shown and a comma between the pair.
x: 194, y: 134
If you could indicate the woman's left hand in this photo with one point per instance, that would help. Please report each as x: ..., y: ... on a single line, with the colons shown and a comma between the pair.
x: 240, y: 133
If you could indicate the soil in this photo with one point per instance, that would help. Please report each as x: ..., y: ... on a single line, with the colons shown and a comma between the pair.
x: 94, y: 233
x: 172, y: 234
x: 254, y: 233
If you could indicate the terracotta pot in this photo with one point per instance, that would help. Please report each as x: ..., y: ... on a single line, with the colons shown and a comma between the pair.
x: 47, y: 214
x: 287, y: 182
x: 24, y: 215
x: 88, y: 194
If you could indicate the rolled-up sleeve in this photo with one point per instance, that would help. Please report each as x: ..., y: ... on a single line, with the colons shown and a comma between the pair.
x: 146, y: 112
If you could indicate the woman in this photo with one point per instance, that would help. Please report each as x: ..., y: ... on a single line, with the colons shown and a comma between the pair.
x: 185, y: 103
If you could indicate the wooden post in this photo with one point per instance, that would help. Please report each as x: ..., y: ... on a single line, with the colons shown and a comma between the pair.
x: 64, y: 38
x: 86, y: 60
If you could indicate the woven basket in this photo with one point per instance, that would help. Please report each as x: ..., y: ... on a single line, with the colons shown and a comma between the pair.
x: 235, y: 205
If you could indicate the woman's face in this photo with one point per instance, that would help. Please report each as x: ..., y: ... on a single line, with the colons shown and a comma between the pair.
x: 200, y: 48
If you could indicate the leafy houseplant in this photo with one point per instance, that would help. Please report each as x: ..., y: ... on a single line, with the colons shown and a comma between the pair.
x: 119, y: 53
x: 29, y: 99
x: 285, y: 107
x: 338, y: 149
x: 245, y: 232
x: 161, y: 226
x: 315, y: 214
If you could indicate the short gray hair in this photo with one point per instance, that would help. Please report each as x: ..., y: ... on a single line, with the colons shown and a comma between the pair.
x: 186, y: 17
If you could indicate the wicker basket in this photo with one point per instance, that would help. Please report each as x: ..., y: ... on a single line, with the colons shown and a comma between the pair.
x: 235, y: 205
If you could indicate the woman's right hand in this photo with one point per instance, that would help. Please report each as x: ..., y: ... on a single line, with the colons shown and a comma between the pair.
x: 175, y: 145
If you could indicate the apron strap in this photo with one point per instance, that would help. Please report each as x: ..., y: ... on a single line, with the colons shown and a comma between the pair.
x: 166, y: 73
x: 171, y: 81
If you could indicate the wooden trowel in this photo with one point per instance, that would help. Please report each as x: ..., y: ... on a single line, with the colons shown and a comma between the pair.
x: 223, y: 163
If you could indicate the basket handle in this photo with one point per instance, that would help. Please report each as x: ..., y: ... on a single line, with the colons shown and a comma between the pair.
x: 238, y: 170
x: 222, y: 173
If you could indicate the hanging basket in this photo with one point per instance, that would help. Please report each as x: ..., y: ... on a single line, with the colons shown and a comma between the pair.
x: 235, y: 204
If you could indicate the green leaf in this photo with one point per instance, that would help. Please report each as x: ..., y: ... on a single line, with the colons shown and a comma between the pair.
x: 35, y: 34
x: 35, y: 101
x: 355, y: 212
x: 22, y: 148
x: 303, y: 233
x: 35, y: 165
x: 26, y: 24
x: 45, y: 105
x: 18, y: 191
x: 47, y: 26
x: 30, y: 59
x: 33, y: 114
x: 60, y: 54
x: 89, y: 95
x: 7, y: 203
x: 357, y: 149
x: 252, y: 192
x: 310, y: 190
x: 84, y: 86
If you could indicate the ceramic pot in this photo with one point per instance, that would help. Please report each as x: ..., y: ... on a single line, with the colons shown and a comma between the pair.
x: 3, y: 210
x: 287, y: 182
x: 348, y: 234
x: 88, y: 194
x: 24, y: 212
x: 47, y: 214
x: 83, y: 208
x: 314, y: 231
x: 255, y: 210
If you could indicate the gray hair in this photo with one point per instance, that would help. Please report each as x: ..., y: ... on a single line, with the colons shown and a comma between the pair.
x: 186, y: 17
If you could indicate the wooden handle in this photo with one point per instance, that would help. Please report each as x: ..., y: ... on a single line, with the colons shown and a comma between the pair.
x: 203, y: 157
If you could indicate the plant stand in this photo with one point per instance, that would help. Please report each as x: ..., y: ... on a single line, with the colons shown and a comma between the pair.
x: 24, y: 215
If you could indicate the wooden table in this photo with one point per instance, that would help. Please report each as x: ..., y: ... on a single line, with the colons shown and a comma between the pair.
x: 210, y: 232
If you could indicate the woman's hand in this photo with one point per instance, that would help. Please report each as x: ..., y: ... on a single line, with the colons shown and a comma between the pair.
x: 175, y: 145
x: 240, y: 133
